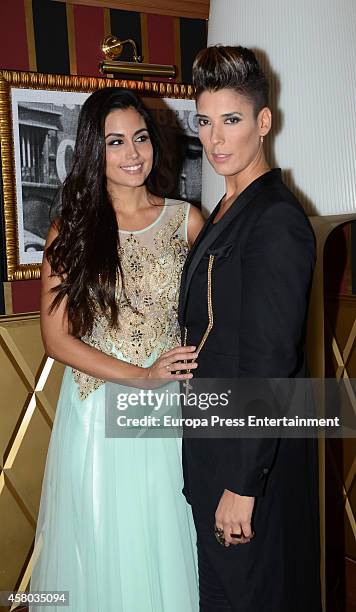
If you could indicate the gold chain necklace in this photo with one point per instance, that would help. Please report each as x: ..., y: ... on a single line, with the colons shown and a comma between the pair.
x: 210, y: 312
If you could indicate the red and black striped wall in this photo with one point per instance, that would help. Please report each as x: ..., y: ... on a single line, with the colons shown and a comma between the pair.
x: 58, y: 38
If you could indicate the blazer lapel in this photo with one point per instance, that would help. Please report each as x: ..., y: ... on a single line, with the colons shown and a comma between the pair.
x: 201, y: 236
x: 204, y: 244
x: 206, y: 238
x: 190, y: 256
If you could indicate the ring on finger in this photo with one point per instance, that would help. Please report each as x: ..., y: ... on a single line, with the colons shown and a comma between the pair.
x: 237, y: 536
x: 219, y: 535
x: 241, y: 536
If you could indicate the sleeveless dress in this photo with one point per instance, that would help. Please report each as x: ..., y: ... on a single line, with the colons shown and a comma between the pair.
x: 114, y: 528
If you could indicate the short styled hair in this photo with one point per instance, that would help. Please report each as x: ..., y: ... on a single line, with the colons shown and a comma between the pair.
x: 236, y: 68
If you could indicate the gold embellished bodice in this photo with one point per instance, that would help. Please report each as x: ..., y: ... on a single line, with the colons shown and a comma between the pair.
x: 152, y: 260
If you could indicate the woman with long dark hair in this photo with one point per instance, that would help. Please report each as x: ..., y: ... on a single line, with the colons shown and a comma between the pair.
x: 113, y: 529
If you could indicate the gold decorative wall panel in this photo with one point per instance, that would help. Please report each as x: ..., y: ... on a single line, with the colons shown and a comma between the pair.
x: 331, y: 481
x: 29, y: 389
x: 340, y: 354
x: 340, y: 460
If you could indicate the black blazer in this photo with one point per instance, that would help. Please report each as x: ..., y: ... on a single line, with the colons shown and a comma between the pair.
x: 258, y: 261
x: 264, y: 254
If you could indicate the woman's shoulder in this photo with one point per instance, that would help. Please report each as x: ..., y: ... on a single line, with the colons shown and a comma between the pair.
x: 282, y: 202
x: 186, y: 216
x: 176, y: 211
x: 274, y: 197
x: 176, y: 203
x: 280, y: 214
x: 190, y: 211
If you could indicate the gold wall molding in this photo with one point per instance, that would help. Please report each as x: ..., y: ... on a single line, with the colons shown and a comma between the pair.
x: 198, y: 9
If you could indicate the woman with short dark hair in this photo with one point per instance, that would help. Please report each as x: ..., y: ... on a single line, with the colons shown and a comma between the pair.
x: 244, y: 299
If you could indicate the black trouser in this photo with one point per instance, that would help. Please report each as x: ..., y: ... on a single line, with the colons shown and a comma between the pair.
x: 211, y: 593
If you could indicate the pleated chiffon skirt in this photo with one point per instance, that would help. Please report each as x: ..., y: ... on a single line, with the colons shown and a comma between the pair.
x: 114, y: 529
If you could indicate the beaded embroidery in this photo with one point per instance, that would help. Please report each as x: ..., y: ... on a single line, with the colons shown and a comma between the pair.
x: 152, y: 262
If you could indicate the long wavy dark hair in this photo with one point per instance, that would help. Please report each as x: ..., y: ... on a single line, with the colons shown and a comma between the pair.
x: 85, y: 253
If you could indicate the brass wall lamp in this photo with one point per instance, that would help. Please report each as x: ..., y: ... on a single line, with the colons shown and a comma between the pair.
x: 112, y: 48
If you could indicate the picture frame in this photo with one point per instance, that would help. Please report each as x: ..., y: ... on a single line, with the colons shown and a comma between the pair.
x: 38, y: 120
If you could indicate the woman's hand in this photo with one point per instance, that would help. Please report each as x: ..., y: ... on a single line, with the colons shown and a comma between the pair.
x: 233, y: 518
x: 171, y: 363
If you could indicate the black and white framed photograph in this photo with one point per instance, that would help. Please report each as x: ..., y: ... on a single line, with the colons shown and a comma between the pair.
x: 39, y: 117
x: 44, y: 130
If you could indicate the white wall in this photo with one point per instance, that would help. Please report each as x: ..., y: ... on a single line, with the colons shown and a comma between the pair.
x: 311, y: 48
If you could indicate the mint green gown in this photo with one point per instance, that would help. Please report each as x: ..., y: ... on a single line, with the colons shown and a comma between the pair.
x: 114, y: 528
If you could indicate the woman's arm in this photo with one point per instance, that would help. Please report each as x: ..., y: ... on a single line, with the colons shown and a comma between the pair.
x: 276, y: 275
x: 62, y: 346
x: 277, y: 270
